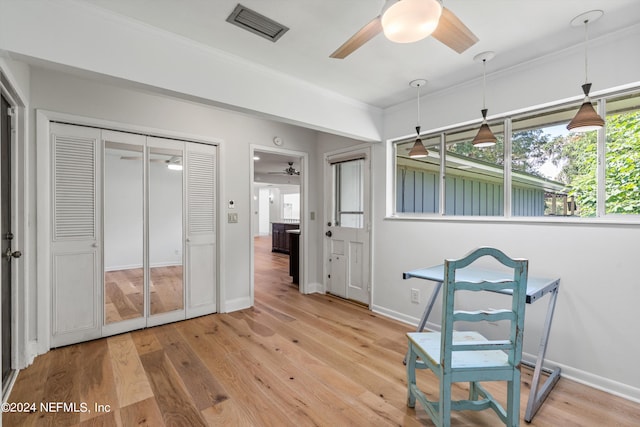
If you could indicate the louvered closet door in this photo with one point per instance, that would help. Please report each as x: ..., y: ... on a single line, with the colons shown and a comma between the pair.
x: 75, y: 250
x: 201, y: 242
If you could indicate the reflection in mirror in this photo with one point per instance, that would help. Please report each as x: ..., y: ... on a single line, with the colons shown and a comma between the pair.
x: 123, y: 232
x: 165, y: 230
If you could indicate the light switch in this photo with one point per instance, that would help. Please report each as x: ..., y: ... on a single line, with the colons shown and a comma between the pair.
x: 232, y: 217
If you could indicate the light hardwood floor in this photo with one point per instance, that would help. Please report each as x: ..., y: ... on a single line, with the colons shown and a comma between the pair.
x: 292, y: 360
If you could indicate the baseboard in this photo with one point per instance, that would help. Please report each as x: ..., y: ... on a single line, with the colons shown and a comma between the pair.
x: 236, y: 304
x: 607, y: 385
x: 314, y: 288
x: 8, y: 385
x: 396, y: 315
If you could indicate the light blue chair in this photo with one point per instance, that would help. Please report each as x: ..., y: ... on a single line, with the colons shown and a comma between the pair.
x: 455, y: 356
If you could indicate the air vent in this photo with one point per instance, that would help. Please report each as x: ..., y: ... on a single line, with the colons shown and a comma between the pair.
x: 256, y: 23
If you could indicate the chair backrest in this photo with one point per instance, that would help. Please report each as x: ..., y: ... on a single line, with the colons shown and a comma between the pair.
x: 513, y: 283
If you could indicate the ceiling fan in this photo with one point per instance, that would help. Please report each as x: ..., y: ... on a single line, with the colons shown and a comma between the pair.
x: 288, y: 171
x: 406, y: 21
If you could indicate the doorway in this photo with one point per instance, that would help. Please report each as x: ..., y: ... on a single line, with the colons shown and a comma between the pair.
x: 8, y: 254
x: 277, y: 207
x: 348, y: 237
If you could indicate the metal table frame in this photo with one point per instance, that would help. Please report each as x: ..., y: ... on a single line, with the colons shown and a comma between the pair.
x: 536, y: 288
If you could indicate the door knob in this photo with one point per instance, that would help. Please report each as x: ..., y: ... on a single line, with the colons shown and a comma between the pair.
x: 328, y: 233
x: 9, y: 254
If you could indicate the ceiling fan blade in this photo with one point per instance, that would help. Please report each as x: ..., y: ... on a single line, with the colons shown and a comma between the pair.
x: 366, y: 33
x: 453, y: 33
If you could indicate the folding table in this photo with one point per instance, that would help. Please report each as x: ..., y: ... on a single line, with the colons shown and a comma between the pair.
x: 536, y: 288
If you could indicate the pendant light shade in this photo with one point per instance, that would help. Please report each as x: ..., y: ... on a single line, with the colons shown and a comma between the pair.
x: 408, y: 21
x: 484, y: 138
x: 418, y: 150
x: 586, y: 119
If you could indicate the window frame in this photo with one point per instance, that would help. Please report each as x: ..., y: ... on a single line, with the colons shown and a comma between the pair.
x: 600, y: 101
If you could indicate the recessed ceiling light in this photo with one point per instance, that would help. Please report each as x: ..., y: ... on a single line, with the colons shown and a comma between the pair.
x: 256, y: 158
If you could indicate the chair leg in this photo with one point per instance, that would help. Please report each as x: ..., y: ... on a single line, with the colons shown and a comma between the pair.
x: 411, y: 376
x: 473, y: 390
x: 513, y: 400
x: 445, y: 401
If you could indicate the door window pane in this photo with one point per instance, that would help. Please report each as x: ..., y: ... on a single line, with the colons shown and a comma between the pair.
x: 418, y: 180
x: 622, y: 182
x: 349, y: 194
x: 474, y: 177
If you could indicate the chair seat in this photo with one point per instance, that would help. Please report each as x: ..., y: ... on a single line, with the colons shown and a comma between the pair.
x: 429, y: 342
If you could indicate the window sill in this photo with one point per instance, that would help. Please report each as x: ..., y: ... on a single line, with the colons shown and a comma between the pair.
x: 633, y: 220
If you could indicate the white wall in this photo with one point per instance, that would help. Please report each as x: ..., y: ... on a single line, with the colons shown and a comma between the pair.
x: 66, y: 93
x: 594, y: 333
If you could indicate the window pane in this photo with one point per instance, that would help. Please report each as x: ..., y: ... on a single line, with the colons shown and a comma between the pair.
x: 417, y: 180
x: 623, y: 155
x: 539, y: 186
x: 474, y: 177
x: 349, y: 194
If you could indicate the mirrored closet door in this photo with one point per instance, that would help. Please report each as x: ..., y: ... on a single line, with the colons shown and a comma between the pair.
x: 143, y: 231
x: 149, y: 210
x: 124, y: 277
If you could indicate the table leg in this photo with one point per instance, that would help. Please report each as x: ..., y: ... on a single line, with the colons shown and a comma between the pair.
x: 427, y: 311
x: 537, y: 398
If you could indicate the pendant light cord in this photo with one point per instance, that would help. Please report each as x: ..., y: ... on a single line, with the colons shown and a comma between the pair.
x: 484, y: 83
x: 418, y: 119
x: 586, y: 42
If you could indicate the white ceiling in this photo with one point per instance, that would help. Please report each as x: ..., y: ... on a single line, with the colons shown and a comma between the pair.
x: 379, y: 73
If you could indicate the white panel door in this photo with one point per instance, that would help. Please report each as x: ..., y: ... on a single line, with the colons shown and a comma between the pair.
x: 201, y: 243
x: 348, y: 248
x: 75, y: 250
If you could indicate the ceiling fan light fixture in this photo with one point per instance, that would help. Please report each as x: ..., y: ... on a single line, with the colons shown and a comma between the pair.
x: 408, y: 21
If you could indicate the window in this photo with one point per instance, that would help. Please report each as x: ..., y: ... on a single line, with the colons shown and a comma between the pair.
x: 539, y: 185
x: 417, y: 180
x: 622, y: 158
x: 474, y: 176
x: 549, y: 172
x: 348, y: 194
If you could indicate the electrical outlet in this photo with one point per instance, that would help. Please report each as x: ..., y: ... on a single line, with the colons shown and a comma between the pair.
x: 415, y: 296
x: 232, y: 217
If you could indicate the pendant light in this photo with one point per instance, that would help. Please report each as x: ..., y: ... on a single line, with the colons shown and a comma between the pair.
x: 418, y: 150
x: 484, y: 138
x: 586, y: 119
x: 408, y: 21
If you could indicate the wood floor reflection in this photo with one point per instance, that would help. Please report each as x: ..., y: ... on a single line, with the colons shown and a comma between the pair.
x: 124, y: 294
